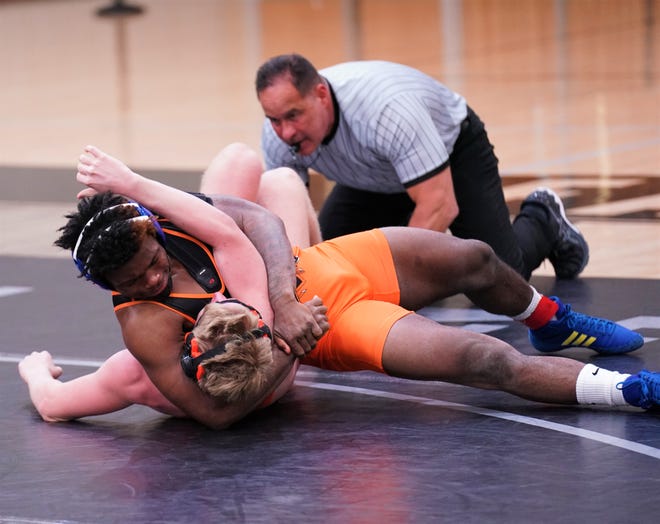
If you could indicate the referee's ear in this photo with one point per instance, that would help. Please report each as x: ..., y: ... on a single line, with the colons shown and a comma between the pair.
x: 322, y: 91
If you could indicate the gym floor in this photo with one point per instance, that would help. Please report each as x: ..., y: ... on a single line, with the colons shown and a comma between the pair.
x: 570, y: 94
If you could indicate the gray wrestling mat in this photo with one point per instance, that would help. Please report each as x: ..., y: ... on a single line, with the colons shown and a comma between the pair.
x: 339, y: 448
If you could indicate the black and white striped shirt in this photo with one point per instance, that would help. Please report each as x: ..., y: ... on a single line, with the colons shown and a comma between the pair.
x: 396, y: 127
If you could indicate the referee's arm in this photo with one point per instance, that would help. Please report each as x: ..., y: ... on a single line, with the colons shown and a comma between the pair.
x: 435, y: 202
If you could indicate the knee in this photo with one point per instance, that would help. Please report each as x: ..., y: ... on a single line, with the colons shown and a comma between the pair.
x: 240, y: 153
x: 283, y: 178
x: 236, y: 170
x: 480, y: 261
x: 492, y: 363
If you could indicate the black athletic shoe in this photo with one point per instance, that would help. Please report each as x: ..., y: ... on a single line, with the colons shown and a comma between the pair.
x: 570, y: 254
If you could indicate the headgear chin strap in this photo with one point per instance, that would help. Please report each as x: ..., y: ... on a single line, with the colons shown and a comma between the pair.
x: 143, y: 214
x: 192, y: 358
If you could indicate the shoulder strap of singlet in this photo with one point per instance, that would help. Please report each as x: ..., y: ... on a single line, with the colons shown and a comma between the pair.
x: 196, y: 257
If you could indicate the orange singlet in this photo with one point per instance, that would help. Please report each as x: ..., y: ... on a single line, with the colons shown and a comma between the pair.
x: 355, y: 277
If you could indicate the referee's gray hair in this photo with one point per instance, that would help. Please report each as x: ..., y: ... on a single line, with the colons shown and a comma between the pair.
x: 301, y: 71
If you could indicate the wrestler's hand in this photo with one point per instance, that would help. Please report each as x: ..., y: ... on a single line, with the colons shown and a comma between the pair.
x: 297, y: 327
x: 319, y: 310
x: 102, y: 172
x: 38, y: 365
x: 87, y: 192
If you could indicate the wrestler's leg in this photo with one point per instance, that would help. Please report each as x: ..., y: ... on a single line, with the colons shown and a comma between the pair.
x: 284, y: 193
x: 421, y: 349
x: 235, y: 171
x: 431, y: 265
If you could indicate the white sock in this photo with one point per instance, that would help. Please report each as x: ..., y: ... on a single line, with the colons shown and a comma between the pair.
x: 598, y: 386
x: 536, y: 298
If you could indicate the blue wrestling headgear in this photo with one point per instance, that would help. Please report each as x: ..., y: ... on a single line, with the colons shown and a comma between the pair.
x: 83, y: 265
x: 192, y: 357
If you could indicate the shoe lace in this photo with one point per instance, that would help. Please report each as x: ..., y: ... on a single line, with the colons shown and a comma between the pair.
x: 588, y: 323
x: 649, y: 388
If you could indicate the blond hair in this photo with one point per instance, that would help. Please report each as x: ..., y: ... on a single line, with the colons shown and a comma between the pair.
x: 241, y: 371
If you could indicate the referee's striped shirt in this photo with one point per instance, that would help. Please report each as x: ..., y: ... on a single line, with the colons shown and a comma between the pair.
x: 397, y: 126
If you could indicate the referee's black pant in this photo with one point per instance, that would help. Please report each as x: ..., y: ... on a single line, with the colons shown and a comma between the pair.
x: 483, y: 213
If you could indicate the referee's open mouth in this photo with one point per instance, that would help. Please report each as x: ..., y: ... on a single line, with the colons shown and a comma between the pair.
x: 304, y: 146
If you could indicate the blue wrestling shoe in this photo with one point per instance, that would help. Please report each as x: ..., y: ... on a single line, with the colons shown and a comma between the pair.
x: 573, y: 329
x: 641, y: 390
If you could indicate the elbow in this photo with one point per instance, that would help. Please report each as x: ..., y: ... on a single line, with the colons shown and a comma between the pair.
x: 263, y: 215
x: 48, y: 416
x: 48, y: 403
x: 263, y: 220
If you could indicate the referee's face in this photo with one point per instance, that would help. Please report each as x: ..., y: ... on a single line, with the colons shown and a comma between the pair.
x: 300, y: 121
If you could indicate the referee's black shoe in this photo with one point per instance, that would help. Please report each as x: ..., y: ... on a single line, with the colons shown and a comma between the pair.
x: 570, y: 252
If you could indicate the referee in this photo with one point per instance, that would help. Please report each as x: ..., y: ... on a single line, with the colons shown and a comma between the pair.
x: 403, y: 149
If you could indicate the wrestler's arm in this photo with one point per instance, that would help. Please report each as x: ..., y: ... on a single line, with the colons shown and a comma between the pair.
x: 232, y: 248
x: 118, y: 383
x: 265, y: 231
x: 153, y: 335
x: 293, y: 322
x: 319, y: 312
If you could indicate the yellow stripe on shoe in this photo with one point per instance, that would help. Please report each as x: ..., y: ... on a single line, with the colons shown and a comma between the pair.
x: 578, y: 339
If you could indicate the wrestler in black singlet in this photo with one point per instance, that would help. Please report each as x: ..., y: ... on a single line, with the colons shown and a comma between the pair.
x: 197, y: 258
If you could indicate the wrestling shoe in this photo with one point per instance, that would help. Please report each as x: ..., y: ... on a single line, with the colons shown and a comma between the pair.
x: 570, y: 254
x: 573, y: 329
x: 641, y: 390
